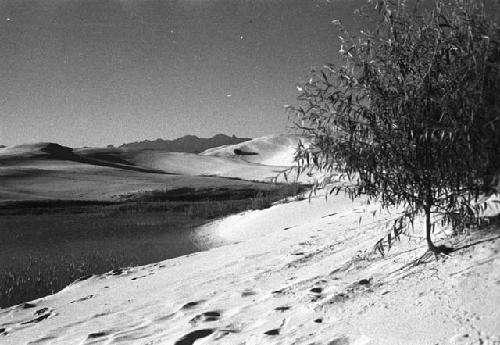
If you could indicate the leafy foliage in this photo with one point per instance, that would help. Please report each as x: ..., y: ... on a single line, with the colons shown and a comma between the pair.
x: 412, y: 116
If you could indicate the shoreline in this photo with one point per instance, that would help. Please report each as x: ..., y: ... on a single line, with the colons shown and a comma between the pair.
x: 283, y: 277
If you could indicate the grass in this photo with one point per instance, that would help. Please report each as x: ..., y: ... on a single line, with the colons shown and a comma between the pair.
x: 45, y: 274
x: 46, y: 245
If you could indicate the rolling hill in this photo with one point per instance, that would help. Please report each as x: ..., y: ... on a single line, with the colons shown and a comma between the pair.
x: 52, y: 171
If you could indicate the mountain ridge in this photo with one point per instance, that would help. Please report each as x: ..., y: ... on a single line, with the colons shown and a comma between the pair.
x: 187, y: 143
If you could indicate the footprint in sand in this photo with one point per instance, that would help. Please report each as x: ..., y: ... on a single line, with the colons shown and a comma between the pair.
x: 317, y: 293
x: 338, y: 298
x: 135, y: 278
x: 316, y: 290
x: 190, y: 338
x: 83, y: 299
x: 192, y: 304
x: 41, y: 314
x: 364, y: 282
x: 282, y: 309
x: 278, y: 292
x: 275, y: 331
x: 340, y: 341
x: 206, y: 317
x: 97, y: 335
x: 41, y: 311
x: 248, y: 292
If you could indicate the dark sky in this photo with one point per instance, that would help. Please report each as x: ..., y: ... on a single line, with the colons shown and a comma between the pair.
x: 97, y: 72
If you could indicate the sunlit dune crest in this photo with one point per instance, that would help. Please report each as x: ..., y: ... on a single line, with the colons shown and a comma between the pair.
x: 276, y: 150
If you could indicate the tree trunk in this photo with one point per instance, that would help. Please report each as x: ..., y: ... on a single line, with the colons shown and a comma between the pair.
x: 428, y: 226
x: 431, y: 247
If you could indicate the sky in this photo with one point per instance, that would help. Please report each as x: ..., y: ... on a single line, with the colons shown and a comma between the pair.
x: 99, y: 72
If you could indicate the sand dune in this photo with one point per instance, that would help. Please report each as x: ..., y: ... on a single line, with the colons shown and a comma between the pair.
x: 52, y: 171
x: 302, y: 272
x: 278, y: 150
x: 192, y: 164
x: 40, y: 149
x: 308, y: 277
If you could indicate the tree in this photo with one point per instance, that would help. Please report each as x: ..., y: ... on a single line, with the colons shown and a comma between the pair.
x: 412, y: 116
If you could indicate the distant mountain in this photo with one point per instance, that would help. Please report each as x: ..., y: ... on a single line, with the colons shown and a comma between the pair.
x: 187, y: 143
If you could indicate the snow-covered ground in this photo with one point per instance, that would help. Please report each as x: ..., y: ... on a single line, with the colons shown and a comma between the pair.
x: 297, y: 273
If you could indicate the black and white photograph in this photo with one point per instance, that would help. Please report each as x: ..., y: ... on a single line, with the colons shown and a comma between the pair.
x: 250, y: 172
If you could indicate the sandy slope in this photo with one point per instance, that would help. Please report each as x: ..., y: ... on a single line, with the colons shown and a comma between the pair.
x: 192, y: 164
x: 283, y: 277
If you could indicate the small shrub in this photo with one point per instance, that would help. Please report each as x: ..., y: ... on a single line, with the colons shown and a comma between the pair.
x: 412, y: 116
